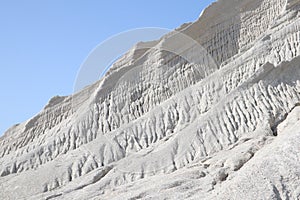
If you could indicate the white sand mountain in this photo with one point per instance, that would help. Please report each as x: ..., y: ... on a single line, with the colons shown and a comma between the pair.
x: 160, y: 127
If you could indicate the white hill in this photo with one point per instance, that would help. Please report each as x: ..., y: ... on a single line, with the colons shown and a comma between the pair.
x: 214, y: 119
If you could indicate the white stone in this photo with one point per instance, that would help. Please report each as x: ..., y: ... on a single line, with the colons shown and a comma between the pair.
x: 158, y: 127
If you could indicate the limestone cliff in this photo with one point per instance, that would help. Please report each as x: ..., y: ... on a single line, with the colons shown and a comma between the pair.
x: 216, y: 122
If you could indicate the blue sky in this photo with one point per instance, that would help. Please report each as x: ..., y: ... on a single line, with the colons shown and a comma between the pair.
x: 43, y: 43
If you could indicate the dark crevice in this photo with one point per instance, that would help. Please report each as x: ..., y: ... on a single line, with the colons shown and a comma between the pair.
x: 276, y: 192
x: 53, y: 196
x: 276, y: 123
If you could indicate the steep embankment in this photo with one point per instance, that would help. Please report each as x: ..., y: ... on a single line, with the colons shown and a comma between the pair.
x: 195, y: 114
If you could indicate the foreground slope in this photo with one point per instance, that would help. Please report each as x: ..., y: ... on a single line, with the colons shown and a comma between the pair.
x: 159, y: 126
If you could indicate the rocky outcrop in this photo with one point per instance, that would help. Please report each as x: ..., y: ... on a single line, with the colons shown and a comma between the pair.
x: 197, y: 119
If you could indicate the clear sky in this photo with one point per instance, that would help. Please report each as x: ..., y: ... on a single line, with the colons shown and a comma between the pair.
x: 43, y: 43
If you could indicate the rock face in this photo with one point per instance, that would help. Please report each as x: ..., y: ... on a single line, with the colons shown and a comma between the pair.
x: 159, y: 127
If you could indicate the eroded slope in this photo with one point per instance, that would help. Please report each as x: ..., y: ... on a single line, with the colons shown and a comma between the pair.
x: 155, y: 113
